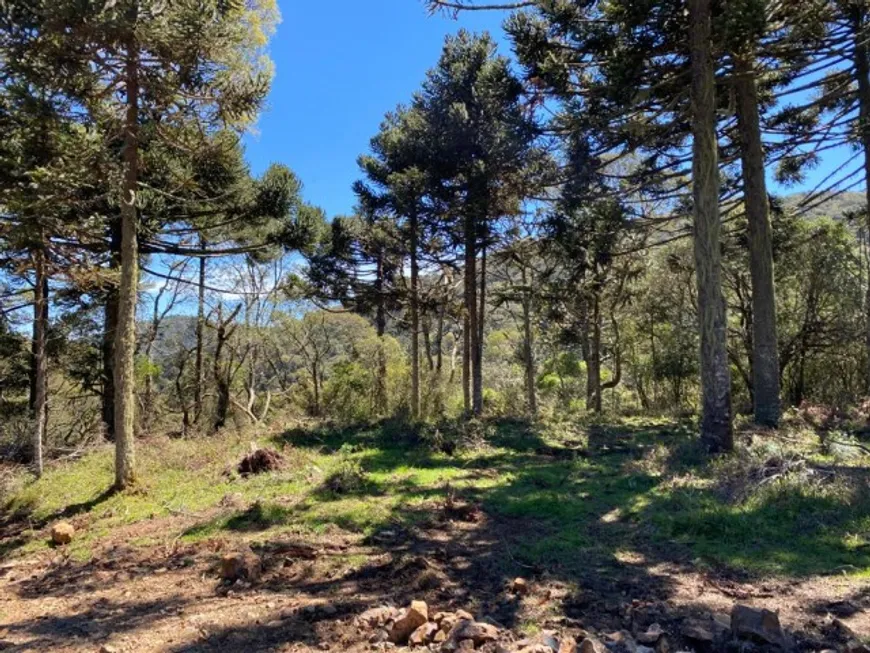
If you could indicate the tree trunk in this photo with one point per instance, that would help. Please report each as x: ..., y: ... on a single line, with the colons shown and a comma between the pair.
x: 199, y: 381
x: 415, y: 323
x: 862, y: 72
x: 466, y: 363
x: 110, y: 327
x: 125, y: 337
x: 315, y: 377
x: 716, y: 430
x: 529, y: 351
x: 40, y: 359
x: 593, y: 360
x: 765, y: 355
x: 473, y: 333
x: 381, y: 326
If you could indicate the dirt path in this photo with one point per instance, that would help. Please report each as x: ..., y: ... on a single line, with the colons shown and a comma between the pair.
x: 168, y: 597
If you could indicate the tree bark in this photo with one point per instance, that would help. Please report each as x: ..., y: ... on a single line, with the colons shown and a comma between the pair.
x: 593, y: 358
x: 110, y: 327
x: 125, y: 337
x: 415, y: 321
x: 862, y: 72
x: 716, y: 428
x: 473, y: 333
x: 199, y: 371
x: 381, y: 327
x: 40, y: 359
x: 466, y: 362
x: 765, y: 354
x: 529, y: 350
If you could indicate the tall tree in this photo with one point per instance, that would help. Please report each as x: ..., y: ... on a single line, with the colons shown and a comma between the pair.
x: 164, y: 64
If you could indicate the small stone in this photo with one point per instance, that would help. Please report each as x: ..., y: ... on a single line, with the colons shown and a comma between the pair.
x: 462, y: 615
x: 592, y: 645
x: 439, y: 637
x: 423, y: 635
x: 62, y: 533
x: 108, y: 648
x: 241, y: 566
x: 520, y: 586
x: 652, y: 634
x: 329, y: 610
x: 536, y: 648
x: 411, y: 618
x: 476, y: 632
x: 757, y: 624
x: 374, y: 617
x: 568, y: 645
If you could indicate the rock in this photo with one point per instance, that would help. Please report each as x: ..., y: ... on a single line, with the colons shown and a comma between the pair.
x: 375, y: 617
x: 62, y: 533
x: 652, y: 634
x: 697, y: 630
x: 468, y: 630
x: 465, y: 645
x: 329, y: 610
x: 548, y: 638
x: 568, y: 645
x: 241, y: 566
x: 536, y: 648
x: 410, y: 619
x: 520, y: 586
x: 423, y: 635
x: 591, y: 645
x: 722, y: 621
x: 108, y: 648
x: 439, y: 637
x: 462, y: 615
x: 757, y: 624
x: 663, y: 645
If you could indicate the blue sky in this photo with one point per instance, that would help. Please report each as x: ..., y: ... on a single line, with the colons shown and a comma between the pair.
x: 339, y: 67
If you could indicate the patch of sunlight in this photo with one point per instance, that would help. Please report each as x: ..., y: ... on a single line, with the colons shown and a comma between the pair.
x: 612, y: 516
x: 629, y: 557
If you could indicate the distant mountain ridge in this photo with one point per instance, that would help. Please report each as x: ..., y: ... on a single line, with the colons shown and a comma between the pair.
x: 836, y: 207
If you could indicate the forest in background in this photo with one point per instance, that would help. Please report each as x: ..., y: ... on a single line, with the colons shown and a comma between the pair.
x: 555, y: 234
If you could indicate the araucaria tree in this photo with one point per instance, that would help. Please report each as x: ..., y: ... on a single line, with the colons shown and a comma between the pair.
x: 480, y: 155
x: 143, y: 69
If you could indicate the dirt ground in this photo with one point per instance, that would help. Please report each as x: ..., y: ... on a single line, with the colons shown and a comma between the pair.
x: 169, y: 597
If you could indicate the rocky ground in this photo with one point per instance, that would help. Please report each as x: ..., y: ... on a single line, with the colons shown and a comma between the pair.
x: 345, y: 595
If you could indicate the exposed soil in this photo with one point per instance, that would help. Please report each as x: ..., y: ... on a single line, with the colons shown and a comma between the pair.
x: 168, y: 596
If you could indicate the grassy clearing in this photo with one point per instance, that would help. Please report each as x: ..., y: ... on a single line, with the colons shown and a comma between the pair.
x: 566, y: 497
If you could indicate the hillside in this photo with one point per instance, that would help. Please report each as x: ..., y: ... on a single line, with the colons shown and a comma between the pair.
x: 836, y: 207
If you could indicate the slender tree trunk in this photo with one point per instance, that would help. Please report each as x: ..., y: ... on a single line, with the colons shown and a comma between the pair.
x: 415, y: 323
x: 125, y: 338
x: 529, y: 351
x: 381, y: 327
x: 765, y: 354
x: 40, y: 358
x: 199, y: 371
x: 471, y: 309
x: 862, y: 72
x: 466, y: 363
x: 315, y: 377
x: 593, y: 351
x: 716, y: 430
x: 110, y: 328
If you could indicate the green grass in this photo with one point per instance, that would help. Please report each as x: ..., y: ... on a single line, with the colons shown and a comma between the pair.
x: 643, y: 492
